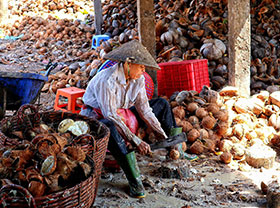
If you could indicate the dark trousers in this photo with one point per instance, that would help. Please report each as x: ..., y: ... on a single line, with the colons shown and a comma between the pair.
x: 162, y: 111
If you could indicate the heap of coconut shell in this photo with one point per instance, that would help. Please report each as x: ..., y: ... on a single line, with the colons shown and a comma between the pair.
x: 66, y: 78
x: 239, y: 128
x: 184, y: 30
x: 45, y: 160
x: 198, y: 29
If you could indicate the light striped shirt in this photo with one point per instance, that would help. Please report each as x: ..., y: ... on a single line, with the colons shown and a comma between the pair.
x: 109, y: 91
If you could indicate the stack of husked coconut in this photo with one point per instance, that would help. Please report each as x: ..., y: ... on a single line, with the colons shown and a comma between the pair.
x: 239, y: 128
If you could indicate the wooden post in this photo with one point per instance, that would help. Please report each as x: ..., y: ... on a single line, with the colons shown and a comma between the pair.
x: 147, y: 34
x: 239, y: 24
x: 98, y: 19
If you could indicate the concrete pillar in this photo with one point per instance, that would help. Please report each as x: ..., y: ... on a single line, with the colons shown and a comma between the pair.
x: 146, y: 30
x: 98, y: 19
x: 239, y: 47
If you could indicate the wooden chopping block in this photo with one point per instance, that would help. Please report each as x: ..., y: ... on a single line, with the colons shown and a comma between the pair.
x: 175, y: 169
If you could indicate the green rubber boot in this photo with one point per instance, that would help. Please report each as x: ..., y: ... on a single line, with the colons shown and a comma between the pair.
x: 132, y: 173
x: 183, y: 155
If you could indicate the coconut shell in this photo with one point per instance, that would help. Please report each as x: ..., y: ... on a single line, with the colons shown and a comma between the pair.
x: 86, y: 167
x: 52, y: 182
x: 241, y: 105
x: 61, y: 140
x: 229, y: 91
x: 65, y: 166
x: 36, y: 188
x: 77, y: 153
x: 48, y: 166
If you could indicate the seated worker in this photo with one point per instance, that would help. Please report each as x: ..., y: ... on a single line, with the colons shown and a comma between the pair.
x: 122, y: 86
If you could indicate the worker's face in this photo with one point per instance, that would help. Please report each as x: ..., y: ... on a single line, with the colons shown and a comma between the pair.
x: 136, y: 70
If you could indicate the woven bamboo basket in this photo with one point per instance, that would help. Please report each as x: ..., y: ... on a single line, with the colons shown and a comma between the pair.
x: 81, y: 195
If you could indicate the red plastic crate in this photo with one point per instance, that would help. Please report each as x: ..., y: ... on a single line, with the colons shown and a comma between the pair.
x: 183, y: 75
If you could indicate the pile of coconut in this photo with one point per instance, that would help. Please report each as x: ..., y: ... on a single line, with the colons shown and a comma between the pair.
x: 229, y: 125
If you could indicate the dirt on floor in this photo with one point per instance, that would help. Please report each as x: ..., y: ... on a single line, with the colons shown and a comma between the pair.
x: 209, y: 183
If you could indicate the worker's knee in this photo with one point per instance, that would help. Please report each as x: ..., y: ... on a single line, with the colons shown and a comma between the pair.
x: 162, y: 102
x: 110, y: 124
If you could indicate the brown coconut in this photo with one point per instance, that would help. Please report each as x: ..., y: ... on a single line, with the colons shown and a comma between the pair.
x: 201, y: 113
x: 178, y: 121
x: 173, y: 104
x: 174, y: 154
x: 193, y: 135
x: 187, y: 126
x: 209, y: 145
x: 193, y: 120
x: 192, y: 107
x: 179, y: 112
x: 221, y: 128
x: 213, y: 108
x: 208, y: 122
x: 226, y: 157
x: 204, y: 134
x: 221, y: 115
x: 197, y: 147
x: 215, y: 138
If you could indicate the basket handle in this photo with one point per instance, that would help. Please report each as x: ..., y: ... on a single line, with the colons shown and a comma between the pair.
x: 4, y: 191
x: 90, y: 147
x: 23, y: 117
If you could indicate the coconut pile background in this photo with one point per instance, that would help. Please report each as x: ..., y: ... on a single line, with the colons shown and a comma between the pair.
x: 220, y: 125
x: 62, y: 31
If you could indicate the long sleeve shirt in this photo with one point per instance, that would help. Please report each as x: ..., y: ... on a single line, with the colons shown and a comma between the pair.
x: 109, y: 91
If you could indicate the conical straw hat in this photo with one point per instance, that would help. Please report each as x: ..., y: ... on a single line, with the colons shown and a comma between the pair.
x: 133, y: 52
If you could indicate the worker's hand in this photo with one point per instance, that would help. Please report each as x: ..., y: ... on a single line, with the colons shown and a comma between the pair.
x: 144, y: 148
